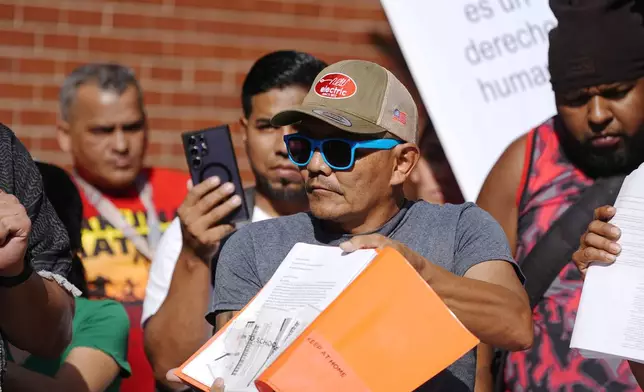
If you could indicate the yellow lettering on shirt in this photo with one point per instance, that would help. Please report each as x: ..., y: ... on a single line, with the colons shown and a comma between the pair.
x: 114, y: 268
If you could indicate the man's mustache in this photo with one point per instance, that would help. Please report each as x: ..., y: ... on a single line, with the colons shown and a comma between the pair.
x: 320, y: 183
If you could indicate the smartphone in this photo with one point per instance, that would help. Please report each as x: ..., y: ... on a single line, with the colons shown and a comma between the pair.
x: 209, y: 153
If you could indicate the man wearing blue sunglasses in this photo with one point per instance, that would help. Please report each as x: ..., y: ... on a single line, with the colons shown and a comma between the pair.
x: 356, y: 144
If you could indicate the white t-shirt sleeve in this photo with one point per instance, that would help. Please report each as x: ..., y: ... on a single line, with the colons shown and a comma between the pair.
x: 161, y: 270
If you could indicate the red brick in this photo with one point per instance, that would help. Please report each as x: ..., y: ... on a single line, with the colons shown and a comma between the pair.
x: 155, y: 148
x: 172, y: 74
x: 8, y: 90
x: 6, y: 116
x: 191, y: 99
x: 7, y: 64
x: 70, y: 66
x: 49, y: 144
x: 17, y: 38
x: 206, y: 51
x: 216, y: 4
x: 153, y: 98
x: 207, y: 123
x: 50, y: 93
x: 138, y: 38
x: 41, y: 14
x: 7, y: 11
x: 61, y: 41
x: 358, y: 13
x: 268, y: 6
x: 235, y: 28
x: 239, y: 79
x: 166, y: 124
x: 37, y: 117
x: 177, y: 148
x: 36, y: 66
x: 133, y: 21
x: 121, y: 46
x: 85, y: 18
x: 148, y: 1
x: 228, y: 102
x: 311, y: 9
x: 208, y: 76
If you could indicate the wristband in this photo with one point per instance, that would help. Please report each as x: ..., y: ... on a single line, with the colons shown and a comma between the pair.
x: 13, y: 281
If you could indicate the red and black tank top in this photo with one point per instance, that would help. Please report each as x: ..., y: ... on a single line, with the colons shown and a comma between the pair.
x: 550, y: 185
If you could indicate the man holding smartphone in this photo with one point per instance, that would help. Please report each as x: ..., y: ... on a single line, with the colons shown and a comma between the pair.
x: 174, y: 308
x: 126, y: 207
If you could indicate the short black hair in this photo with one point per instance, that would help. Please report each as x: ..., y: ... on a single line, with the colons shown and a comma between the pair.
x: 63, y: 195
x: 279, y: 69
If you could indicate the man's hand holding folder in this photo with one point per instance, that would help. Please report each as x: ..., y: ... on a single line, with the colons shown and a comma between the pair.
x: 379, y: 242
x: 217, y: 386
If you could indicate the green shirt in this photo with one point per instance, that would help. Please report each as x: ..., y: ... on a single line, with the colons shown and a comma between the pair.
x: 99, y: 324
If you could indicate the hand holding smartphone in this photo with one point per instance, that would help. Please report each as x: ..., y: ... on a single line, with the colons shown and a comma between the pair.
x: 212, y: 207
x: 210, y: 152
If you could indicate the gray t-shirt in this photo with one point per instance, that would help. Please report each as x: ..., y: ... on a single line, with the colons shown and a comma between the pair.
x: 455, y: 237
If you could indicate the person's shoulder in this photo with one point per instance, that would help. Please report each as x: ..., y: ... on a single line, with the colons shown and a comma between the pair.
x: 422, y: 207
x: 425, y: 210
x: 472, y: 216
x: 504, y: 182
x: 273, y: 229
x: 103, y: 324
x: 111, y: 312
x: 7, y: 136
x: 289, y: 222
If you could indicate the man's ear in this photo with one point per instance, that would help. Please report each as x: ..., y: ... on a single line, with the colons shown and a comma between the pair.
x: 243, y: 123
x: 405, y: 158
x: 63, y: 136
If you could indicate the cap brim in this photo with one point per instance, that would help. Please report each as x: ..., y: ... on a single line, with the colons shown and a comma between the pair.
x: 334, y: 117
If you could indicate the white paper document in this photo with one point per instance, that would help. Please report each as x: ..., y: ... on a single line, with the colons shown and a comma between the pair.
x: 610, y: 318
x: 307, y: 281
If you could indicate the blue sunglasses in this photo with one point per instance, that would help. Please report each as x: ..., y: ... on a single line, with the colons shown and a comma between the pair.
x: 339, y: 154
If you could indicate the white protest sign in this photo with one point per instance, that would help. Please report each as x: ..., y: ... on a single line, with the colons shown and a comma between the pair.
x: 481, y: 69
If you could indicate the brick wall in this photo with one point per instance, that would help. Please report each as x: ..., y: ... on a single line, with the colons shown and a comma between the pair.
x: 190, y: 55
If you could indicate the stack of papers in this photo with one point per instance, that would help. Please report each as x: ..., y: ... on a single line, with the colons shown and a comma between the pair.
x: 610, y: 318
x: 330, y: 321
x: 307, y: 281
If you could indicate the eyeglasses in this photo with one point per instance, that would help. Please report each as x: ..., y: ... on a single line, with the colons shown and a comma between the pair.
x: 339, y: 154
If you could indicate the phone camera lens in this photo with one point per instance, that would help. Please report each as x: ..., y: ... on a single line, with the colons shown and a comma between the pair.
x: 194, y: 151
x: 196, y: 162
x: 192, y: 140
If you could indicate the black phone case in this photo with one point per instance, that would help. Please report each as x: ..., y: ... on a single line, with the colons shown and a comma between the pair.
x: 210, y: 152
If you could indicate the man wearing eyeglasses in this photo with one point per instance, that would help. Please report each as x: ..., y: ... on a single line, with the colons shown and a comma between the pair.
x: 355, y: 146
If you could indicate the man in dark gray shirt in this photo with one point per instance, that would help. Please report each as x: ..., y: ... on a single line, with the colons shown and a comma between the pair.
x: 355, y: 146
x: 35, y: 297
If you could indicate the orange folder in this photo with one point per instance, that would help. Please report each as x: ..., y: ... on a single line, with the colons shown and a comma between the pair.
x: 387, y: 331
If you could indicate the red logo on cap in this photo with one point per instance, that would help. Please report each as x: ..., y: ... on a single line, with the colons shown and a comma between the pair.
x: 336, y: 86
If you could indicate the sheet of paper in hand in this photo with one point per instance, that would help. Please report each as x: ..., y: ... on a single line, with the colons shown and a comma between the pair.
x: 307, y: 281
x: 610, y: 318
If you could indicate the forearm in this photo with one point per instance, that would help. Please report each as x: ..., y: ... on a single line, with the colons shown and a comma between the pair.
x: 496, y: 315
x: 41, y: 313
x: 179, y: 328
x: 638, y: 372
x: 484, y: 377
x: 19, y: 379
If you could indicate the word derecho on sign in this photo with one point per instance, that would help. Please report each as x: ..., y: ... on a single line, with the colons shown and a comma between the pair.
x: 481, y: 69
